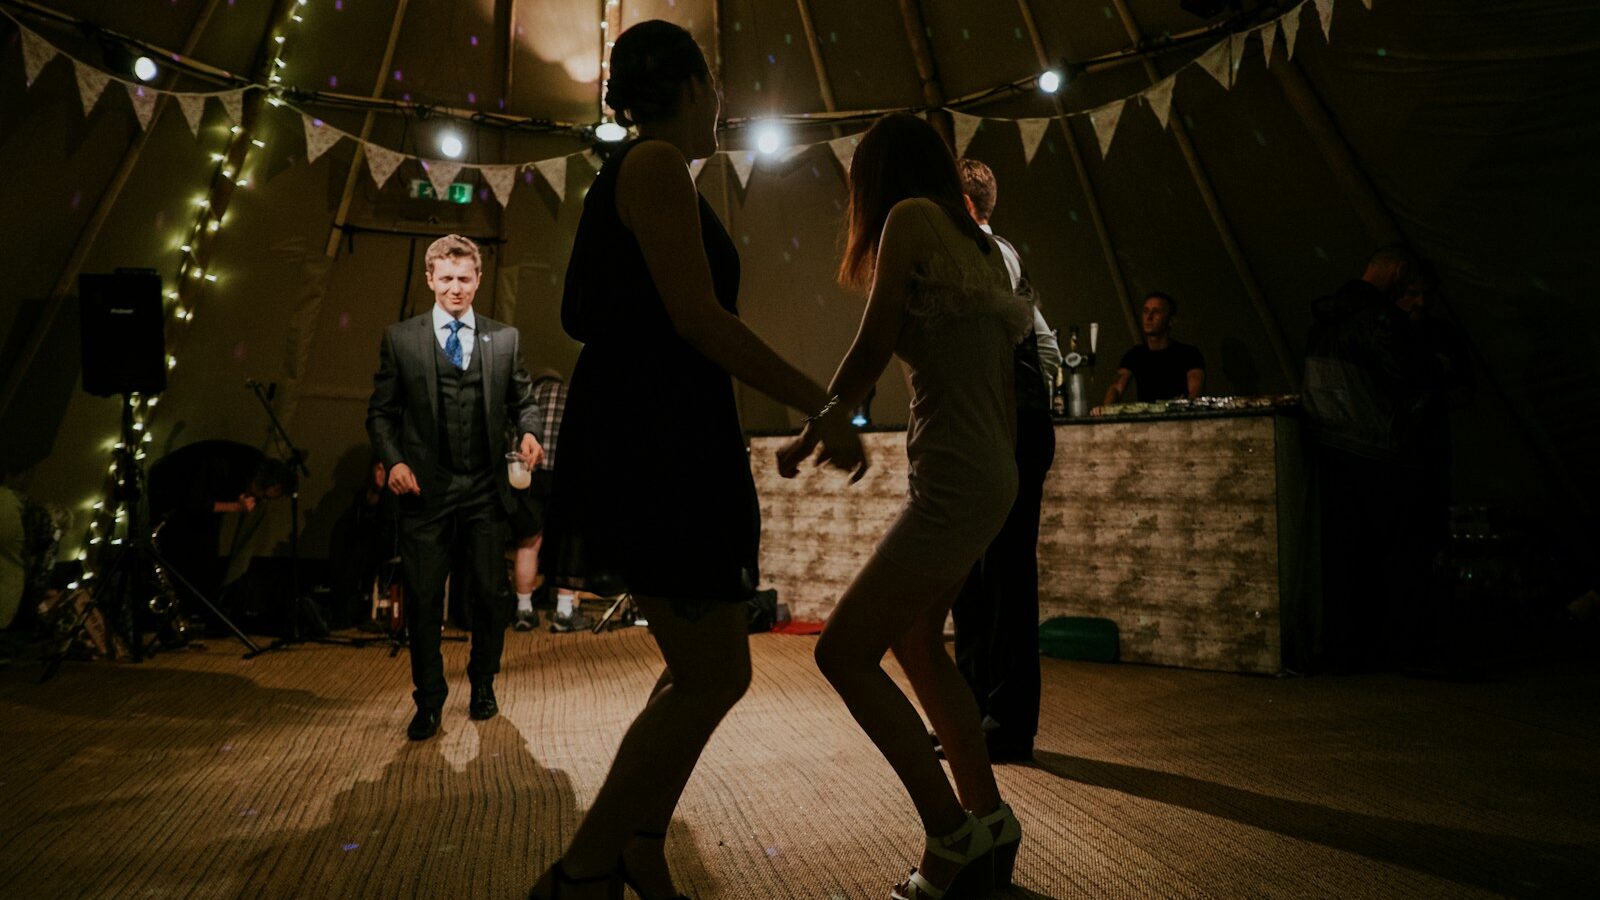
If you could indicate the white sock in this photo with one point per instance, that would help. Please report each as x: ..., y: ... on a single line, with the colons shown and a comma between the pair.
x: 525, y: 602
x: 563, y: 603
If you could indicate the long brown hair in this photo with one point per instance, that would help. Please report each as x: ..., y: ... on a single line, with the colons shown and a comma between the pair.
x: 900, y: 157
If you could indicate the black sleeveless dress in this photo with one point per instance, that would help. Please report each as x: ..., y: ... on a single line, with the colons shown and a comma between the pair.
x: 652, y: 488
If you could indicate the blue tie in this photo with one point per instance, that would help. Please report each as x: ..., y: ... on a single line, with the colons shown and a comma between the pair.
x: 452, y: 344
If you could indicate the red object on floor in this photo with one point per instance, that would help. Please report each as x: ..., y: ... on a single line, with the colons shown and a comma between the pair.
x: 795, y: 626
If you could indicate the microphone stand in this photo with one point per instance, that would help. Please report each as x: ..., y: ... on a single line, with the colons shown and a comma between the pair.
x: 297, y: 470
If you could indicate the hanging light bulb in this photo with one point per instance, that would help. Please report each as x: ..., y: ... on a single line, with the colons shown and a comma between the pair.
x: 144, y: 68
x: 450, y: 145
x: 610, y: 132
x: 1050, y: 81
x: 769, y: 138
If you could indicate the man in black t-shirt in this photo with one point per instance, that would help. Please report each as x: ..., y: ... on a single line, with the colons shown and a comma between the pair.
x: 1163, y: 367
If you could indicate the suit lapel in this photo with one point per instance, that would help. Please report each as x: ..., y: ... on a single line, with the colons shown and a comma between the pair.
x: 427, y: 357
x: 485, y: 352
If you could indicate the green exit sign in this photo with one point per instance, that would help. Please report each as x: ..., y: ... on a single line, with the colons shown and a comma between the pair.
x: 422, y: 189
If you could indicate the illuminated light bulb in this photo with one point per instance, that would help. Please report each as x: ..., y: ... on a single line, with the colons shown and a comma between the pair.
x: 138, y: 426
x: 213, y: 225
x: 297, y: 18
x: 769, y: 139
x: 243, y: 182
x: 151, y: 403
x: 278, y: 38
x: 450, y: 145
x: 275, y: 79
x: 74, y: 585
x: 99, y: 504
x: 227, y: 172
x: 211, y: 278
x: 202, y: 202
x: 195, y: 273
x: 610, y: 132
x: 236, y: 129
x: 94, y: 540
x: 147, y: 438
x: 144, y: 69
x: 1050, y: 81
x: 279, y: 62
x: 189, y: 316
x: 258, y: 143
x: 172, y: 362
x: 274, y: 101
x: 185, y: 248
x: 218, y: 157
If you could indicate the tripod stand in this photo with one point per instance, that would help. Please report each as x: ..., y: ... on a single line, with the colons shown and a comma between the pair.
x: 623, y: 610
x: 297, y: 599
x: 137, y: 568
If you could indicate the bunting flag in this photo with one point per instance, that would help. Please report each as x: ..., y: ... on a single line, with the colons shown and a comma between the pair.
x: 1291, y: 29
x: 695, y: 165
x: 1269, y: 35
x: 1236, y: 44
x: 1105, y: 119
x: 441, y: 174
x: 91, y: 82
x: 555, y: 175
x: 1032, y: 133
x: 743, y: 161
x: 844, y: 150
x: 1367, y: 3
x: 319, y: 137
x: 1325, y: 13
x: 501, y: 180
x: 965, y: 126
x: 233, y: 102
x: 1160, y: 98
x: 144, y: 103
x: 194, y: 109
x: 1214, y: 62
x: 36, y: 54
x: 382, y: 162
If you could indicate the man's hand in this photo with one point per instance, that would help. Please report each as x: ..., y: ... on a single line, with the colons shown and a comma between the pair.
x: 401, y: 481
x: 531, y: 452
x: 247, y: 503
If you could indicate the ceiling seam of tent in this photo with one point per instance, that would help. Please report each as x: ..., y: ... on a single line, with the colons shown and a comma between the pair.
x: 343, y: 213
x: 1213, y: 204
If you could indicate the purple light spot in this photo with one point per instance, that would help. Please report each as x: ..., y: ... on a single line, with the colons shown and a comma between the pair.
x: 472, y: 97
x: 344, y: 321
x: 348, y: 847
x: 333, y: 81
x: 502, y: 103
x: 317, y: 122
x: 406, y: 97
x: 527, y: 178
x: 483, y: 194
x: 474, y: 40
x: 338, y: 4
x: 771, y: 852
x: 396, y: 74
x: 772, y: 59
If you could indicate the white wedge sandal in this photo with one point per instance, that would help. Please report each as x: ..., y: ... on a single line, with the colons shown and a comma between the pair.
x: 976, y: 876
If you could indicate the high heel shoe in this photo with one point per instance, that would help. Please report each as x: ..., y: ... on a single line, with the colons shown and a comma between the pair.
x: 975, y: 878
x: 557, y: 877
x: 622, y: 867
x: 1003, y: 826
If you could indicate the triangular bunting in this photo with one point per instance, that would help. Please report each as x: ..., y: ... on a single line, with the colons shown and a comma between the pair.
x: 743, y: 161
x: 1291, y: 29
x: 36, y: 54
x: 555, y: 174
x: 501, y: 180
x: 91, y: 83
x: 381, y: 162
x: 144, y: 103
x: 1367, y: 3
x: 1325, y: 13
x: 965, y: 126
x: 1032, y: 132
x: 844, y: 150
x: 1105, y: 119
x: 319, y: 137
x: 194, y: 109
x: 695, y: 165
x: 1159, y: 96
x: 233, y: 102
x: 1236, y: 43
x: 441, y: 174
x: 1214, y: 62
x: 1269, y: 35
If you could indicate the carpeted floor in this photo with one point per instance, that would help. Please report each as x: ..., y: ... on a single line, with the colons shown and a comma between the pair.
x: 197, y: 774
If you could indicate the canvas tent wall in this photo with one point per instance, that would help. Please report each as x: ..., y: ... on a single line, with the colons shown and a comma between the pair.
x: 1466, y: 128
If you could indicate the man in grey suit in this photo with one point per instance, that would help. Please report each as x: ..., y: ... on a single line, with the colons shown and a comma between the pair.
x: 449, y: 387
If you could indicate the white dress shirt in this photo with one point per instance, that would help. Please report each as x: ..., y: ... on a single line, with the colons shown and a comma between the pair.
x: 468, y: 333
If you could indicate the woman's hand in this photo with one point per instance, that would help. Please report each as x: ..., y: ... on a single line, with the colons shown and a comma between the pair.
x: 841, y: 448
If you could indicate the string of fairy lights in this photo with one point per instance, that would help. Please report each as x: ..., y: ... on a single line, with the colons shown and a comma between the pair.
x: 109, y: 522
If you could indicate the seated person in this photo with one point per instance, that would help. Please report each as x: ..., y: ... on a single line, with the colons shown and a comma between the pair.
x: 1163, y: 367
x: 364, y: 542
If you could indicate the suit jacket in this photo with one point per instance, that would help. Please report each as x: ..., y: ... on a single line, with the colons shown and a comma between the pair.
x: 403, y: 414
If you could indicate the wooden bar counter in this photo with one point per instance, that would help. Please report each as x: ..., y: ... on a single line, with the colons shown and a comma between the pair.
x: 1188, y: 532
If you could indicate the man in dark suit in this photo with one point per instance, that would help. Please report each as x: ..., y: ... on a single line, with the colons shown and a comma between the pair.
x: 449, y: 387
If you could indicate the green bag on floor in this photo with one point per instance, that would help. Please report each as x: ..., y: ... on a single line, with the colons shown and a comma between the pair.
x: 1079, y: 637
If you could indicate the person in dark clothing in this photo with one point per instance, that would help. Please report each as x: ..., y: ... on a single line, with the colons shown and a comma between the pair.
x: 191, y: 488
x: 997, y: 612
x: 364, y: 540
x: 1371, y: 378
x: 449, y: 387
x: 1163, y: 367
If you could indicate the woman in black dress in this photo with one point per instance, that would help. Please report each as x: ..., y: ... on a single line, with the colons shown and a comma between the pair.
x: 653, y: 493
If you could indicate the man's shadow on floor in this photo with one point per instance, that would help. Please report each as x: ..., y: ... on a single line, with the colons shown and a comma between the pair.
x: 1520, y: 867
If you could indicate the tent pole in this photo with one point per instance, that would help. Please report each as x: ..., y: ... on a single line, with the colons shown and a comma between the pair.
x: 823, y: 83
x: 922, y: 52
x: 1084, y: 184
x: 1208, y: 195
x: 343, y: 215
x: 97, y: 219
x: 1353, y: 182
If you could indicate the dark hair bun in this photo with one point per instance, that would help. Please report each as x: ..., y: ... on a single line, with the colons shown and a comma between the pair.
x: 650, y: 64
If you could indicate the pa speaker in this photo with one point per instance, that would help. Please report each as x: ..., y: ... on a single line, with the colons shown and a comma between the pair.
x: 124, y: 343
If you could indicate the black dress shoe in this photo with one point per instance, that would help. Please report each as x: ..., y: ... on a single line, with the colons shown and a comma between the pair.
x: 483, y: 705
x: 424, y: 725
